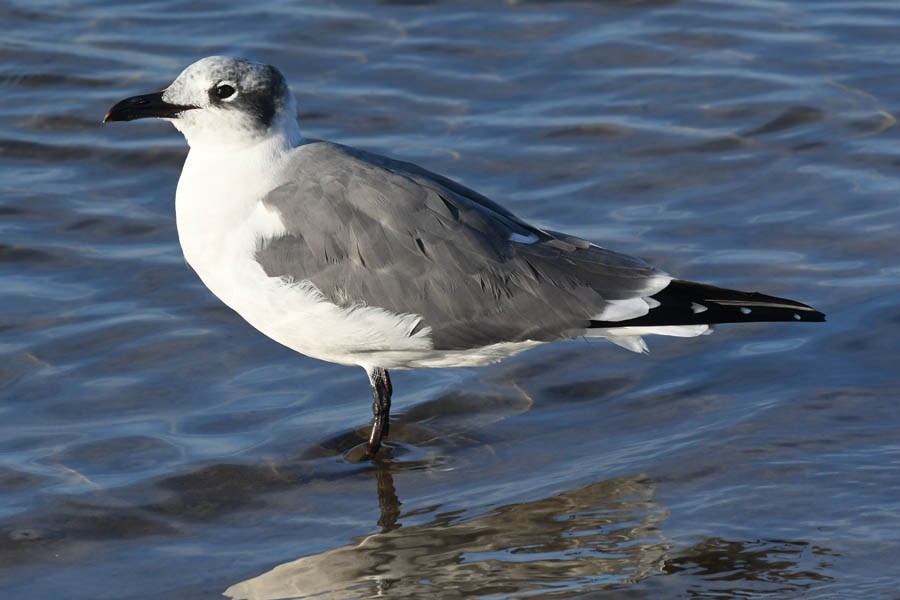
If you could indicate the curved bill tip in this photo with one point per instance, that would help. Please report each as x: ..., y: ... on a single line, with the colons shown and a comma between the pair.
x: 144, y: 107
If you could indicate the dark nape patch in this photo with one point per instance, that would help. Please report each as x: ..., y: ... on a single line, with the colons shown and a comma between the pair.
x: 261, y: 101
x: 261, y: 106
x: 265, y: 101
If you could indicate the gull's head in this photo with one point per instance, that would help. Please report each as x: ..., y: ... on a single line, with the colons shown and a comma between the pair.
x: 220, y: 102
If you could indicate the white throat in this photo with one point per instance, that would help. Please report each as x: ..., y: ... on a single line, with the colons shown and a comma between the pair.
x: 218, y: 206
x: 215, y: 133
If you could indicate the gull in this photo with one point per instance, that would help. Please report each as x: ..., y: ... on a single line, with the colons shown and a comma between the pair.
x: 358, y: 259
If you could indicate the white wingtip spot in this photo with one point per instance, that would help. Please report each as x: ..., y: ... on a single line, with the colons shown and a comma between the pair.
x: 797, y: 317
x: 698, y: 308
x: 746, y: 310
x: 523, y: 239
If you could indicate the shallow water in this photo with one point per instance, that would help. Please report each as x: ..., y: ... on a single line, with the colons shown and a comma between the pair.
x: 152, y: 445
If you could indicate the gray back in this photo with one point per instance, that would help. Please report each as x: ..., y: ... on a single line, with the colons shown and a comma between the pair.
x: 368, y: 230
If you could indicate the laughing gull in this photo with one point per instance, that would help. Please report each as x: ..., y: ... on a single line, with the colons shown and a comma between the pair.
x: 358, y: 259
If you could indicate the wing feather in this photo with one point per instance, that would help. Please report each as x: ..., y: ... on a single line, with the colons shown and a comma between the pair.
x: 368, y: 230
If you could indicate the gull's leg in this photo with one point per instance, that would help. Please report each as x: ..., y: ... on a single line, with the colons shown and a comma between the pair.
x: 381, y: 408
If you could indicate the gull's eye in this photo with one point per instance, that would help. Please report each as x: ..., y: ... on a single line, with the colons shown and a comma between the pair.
x: 223, y: 91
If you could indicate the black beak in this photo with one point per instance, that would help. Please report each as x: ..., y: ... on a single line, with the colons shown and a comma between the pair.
x: 142, y: 107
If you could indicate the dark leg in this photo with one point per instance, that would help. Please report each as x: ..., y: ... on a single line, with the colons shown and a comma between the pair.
x: 387, y: 497
x: 381, y: 408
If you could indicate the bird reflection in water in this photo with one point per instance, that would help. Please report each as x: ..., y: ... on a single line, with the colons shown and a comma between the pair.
x: 603, y: 534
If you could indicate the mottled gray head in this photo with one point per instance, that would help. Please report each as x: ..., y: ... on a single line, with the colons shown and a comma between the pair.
x: 220, y: 102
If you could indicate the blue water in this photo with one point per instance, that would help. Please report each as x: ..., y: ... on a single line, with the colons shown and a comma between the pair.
x: 152, y: 445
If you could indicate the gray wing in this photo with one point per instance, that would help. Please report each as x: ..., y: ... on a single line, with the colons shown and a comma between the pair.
x: 368, y: 230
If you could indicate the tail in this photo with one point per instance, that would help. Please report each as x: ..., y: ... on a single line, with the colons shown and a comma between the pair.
x: 689, y: 303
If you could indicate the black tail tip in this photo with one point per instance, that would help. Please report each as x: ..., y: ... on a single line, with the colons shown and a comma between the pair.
x: 811, y: 316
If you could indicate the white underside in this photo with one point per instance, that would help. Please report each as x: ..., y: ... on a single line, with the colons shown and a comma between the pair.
x: 221, y: 221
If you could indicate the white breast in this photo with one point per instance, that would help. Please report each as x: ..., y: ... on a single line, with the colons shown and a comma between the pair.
x: 221, y: 222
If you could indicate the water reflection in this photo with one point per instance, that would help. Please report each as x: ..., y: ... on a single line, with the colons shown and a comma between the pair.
x: 776, y: 568
x: 602, y: 534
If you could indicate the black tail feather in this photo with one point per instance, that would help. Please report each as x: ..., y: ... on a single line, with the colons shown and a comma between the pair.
x: 689, y: 303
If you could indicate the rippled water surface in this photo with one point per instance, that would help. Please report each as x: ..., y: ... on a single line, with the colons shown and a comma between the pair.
x: 152, y: 445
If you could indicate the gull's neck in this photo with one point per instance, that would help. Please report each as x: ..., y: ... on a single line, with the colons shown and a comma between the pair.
x: 234, y: 167
x: 226, y: 143
x: 218, y: 205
